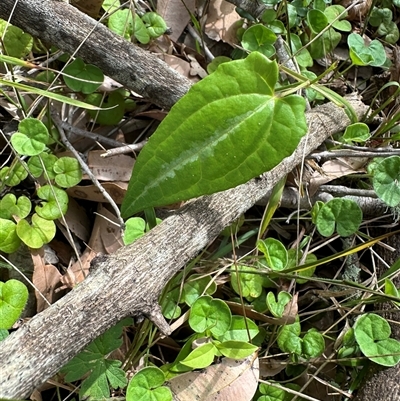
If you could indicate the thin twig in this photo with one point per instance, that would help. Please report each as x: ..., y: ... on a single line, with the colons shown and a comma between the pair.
x: 135, y: 147
x: 58, y: 122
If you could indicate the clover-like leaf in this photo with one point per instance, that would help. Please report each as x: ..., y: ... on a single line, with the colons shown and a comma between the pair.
x: 344, y: 214
x: 324, y: 44
x: 31, y: 138
x: 313, y: 344
x: 386, y: 180
x: 276, y: 307
x: 317, y: 20
x: 196, y: 286
x: 247, y: 281
x: 9, y: 240
x: 11, y: 206
x: 43, y: 161
x: 38, y: 233
x: 259, y: 38
x: 147, y: 385
x: 16, y: 42
x: 121, y: 22
x: 154, y: 24
x: 288, y: 338
x: 274, y: 252
x: 82, y: 77
x: 229, y: 128
x: 357, y: 132
x: 210, y: 314
x: 341, y: 24
x: 361, y: 54
x: 139, y: 30
x: 56, y: 204
x: 114, y: 104
x: 13, y: 175
x: 68, y: 172
x: 372, y: 334
x: 13, y: 297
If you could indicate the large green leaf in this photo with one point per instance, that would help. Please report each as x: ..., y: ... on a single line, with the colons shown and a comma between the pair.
x: 229, y: 128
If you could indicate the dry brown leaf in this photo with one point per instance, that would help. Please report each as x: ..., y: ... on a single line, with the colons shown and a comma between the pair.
x: 46, y: 279
x: 221, y: 22
x: 270, y: 367
x: 116, y: 190
x: 176, y: 15
x: 113, y: 168
x: 77, y: 272
x: 89, y: 7
x: 226, y: 381
x: 330, y: 170
x: 178, y: 64
x: 109, y: 233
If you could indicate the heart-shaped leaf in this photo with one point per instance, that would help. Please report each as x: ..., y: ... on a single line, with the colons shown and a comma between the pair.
x: 275, y: 253
x: 154, y: 24
x: 31, y: 138
x: 147, y: 385
x: 9, y: 240
x: 38, y: 233
x: 85, y: 78
x: 361, y: 54
x: 372, y: 334
x: 210, y: 314
x: 68, y: 172
x: 56, y: 205
x: 246, y: 283
x: 277, y: 307
x: 344, y: 214
x: 10, y: 206
x: 386, y: 180
x: 46, y: 160
x: 259, y: 38
x: 229, y: 128
x: 13, y: 297
x: 16, y: 42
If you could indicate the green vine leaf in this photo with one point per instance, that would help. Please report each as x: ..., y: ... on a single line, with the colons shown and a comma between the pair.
x: 386, y: 180
x: 68, y: 172
x: 11, y: 205
x: 56, y: 205
x: 38, y: 233
x: 9, y: 240
x: 31, y: 138
x: 229, y: 128
x: 85, y: 78
x: 13, y: 297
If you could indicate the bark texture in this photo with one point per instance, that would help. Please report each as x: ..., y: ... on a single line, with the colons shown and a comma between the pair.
x: 70, y: 30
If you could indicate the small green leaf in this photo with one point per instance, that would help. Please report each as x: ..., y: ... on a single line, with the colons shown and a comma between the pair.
x: 170, y: 307
x: 358, y: 132
x: 11, y: 206
x: 303, y: 56
x: 317, y: 20
x: 9, y: 240
x: 277, y: 307
x: 114, y: 103
x: 246, y: 283
x: 332, y: 12
x: 236, y: 349
x: 154, y: 24
x: 324, y: 44
x: 372, y: 334
x: 121, y: 22
x: 386, y: 180
x: 31, y: 138
x: 344, y: 214
x: 289, y: 340
x: 147, y: 385
x: 16, y: 43
x: 13, y: 297
x: 274, y: 252
x: 313, y: 344
x: 201, y: 357
x: 374, y: 54
x: 134, y: 229
x: 38, y: 233
x: 56, y: 205
x: 139, y: 30
x: 195, y: 286
x: 239, y: 330
x: 35, y: 165
x: 14, y: 175
x: 210, y: 314
x: 229, y: 128
x: 68, y: 172
x: 216, y: 62
x: 85, y: 78
x: 259, y: 38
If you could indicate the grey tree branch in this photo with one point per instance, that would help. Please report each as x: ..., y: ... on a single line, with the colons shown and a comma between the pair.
x: 129, y: 282
x: 59, y: 23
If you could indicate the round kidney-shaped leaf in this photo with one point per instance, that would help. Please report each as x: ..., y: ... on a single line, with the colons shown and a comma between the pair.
x: 259, y: 38
x: 147, y: 385
x: 386, y: 180
x: 275, y: 253
x: 9, y: 240
x: 89, y: 77
x: 38, y: 233
x: 13, y: 297
x: 56, y: 205
x: 372, y: 334
x: 68, y: 172
x: 10, y: 206
x: 344, y: 214
x: 31, y: 138
x: 154, y: 24
x: 211, y: 314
